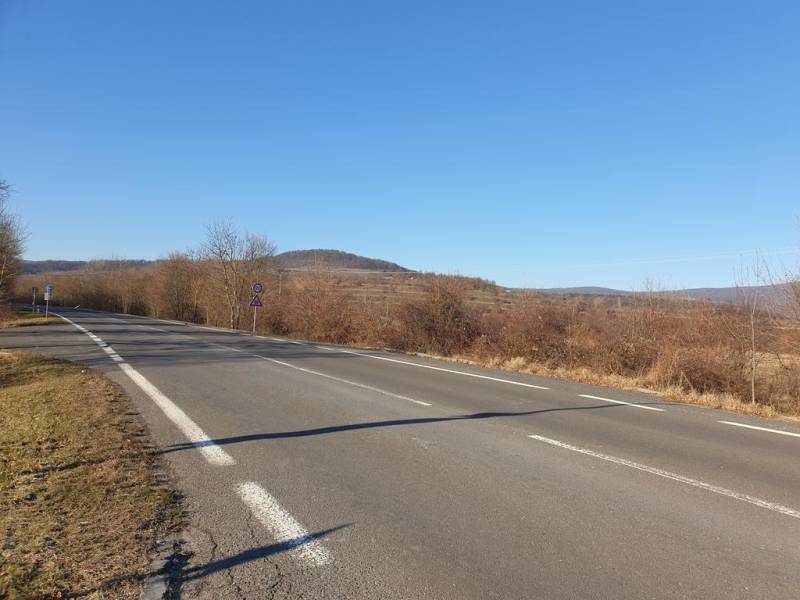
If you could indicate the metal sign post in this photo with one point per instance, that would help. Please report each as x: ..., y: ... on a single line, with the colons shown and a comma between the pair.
x: 256, y: 302
x: 33, y: 303
x: 48, y: 295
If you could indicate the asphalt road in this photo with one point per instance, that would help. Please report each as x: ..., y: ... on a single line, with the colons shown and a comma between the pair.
x: 315, y: 472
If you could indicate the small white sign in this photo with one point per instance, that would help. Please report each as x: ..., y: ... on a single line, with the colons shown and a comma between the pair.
x: 48, y: 292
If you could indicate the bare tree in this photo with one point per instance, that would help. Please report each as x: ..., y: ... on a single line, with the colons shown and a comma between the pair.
x: 751, y: 302
x: 12, y: 239
x: 237, y: 260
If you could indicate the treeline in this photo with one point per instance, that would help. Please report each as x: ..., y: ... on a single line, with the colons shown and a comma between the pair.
x: 747, y: 353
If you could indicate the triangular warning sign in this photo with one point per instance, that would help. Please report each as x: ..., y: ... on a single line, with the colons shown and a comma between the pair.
x: 256, y: 301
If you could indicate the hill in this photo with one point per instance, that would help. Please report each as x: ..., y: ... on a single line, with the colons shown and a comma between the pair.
x: 35, y: 267
x: 335, y: 259
x: 295, y: 259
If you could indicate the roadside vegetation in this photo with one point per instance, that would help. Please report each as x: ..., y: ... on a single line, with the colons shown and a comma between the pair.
x: 12, y: 243
x: 22, y: 317
x: 743, y: 356
x: 80, y: 505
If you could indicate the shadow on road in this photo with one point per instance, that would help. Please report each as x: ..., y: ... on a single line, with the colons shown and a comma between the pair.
x: 253, y: 554
x: 178, y: 573
x: 373, y: 425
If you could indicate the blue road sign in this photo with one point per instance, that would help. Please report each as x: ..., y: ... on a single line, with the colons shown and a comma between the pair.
x: 256, y: 301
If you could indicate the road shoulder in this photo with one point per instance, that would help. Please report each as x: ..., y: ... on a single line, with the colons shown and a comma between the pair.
x: 83, y: 500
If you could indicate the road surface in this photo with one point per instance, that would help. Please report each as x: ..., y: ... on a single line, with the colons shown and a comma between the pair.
x: 316, y: 471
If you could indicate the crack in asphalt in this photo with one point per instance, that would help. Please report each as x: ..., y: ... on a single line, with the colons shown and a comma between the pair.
x: 277, y: 585
x: 203, y: 583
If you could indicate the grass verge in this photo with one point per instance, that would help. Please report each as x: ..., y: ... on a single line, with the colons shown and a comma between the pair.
x: 80, y: 503
x: 23, y: 317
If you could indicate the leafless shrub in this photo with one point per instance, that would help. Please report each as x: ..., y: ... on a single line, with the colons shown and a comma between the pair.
x: 317, y: 311
x: 537, y: 328
x: 177, y: 288
x: 439, y: 321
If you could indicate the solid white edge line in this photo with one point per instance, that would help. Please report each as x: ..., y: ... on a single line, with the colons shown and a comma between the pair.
x: 778, y: 508
x: 283, y: 527
x: 464, y: 373
x: 778, y: 431
x: 211, y: 451
x: 633, y: 404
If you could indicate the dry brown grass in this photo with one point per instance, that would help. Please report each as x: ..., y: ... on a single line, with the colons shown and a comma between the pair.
x: 80, y: 506
x: 19, y: 317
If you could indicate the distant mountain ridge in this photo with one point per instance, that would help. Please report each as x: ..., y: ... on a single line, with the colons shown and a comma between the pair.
x: 34, y: 267
x: 335, y: 259
x: 294, y: 259
x: 727, y: 295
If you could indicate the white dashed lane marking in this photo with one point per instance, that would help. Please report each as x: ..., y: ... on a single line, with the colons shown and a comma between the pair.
x: 325, y: 375
x: 283, y: 527
x: 767, y: 429
x: 633, y: 404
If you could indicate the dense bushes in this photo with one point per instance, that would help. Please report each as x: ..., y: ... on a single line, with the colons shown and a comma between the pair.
x: 439, y: 321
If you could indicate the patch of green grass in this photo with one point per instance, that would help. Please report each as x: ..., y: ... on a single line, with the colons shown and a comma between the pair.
x: 80, y: 507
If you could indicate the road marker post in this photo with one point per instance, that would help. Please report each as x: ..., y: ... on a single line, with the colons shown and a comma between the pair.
x: 48, y: 295
x: 33, y: 302
x: 256, y: 302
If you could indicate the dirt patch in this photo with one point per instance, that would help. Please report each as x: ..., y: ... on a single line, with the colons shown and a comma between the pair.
x: 81, y: 505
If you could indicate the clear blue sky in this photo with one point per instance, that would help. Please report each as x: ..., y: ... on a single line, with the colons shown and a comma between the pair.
x: 534, y: 143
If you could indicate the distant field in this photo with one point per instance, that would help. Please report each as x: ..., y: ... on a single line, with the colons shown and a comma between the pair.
x: 380, y: 287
